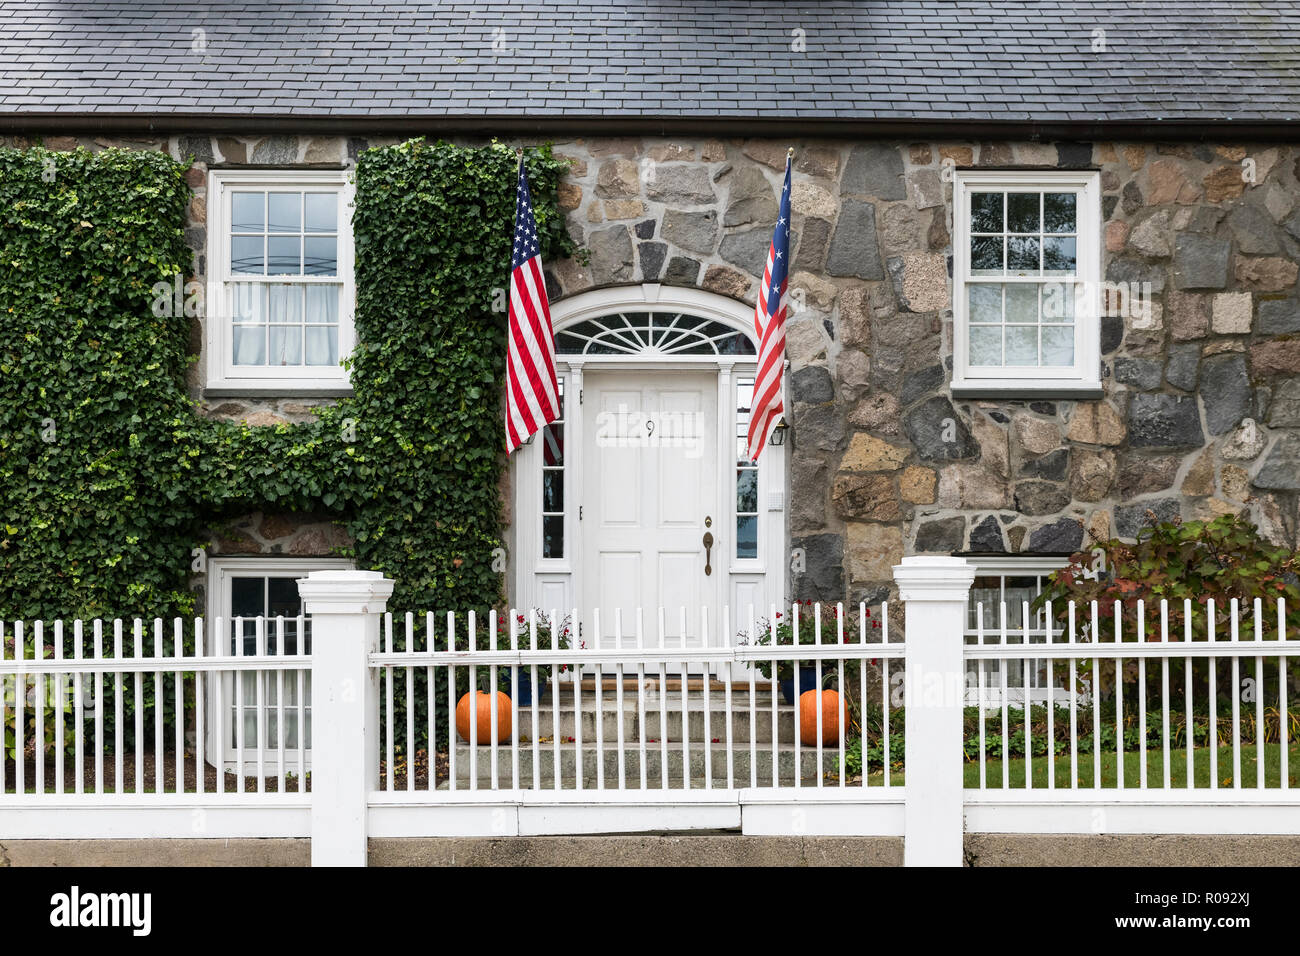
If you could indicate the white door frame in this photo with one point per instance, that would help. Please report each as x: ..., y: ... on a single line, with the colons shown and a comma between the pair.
x: 550, y: 583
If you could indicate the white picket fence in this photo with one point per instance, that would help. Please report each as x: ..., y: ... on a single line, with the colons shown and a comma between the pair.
x: 268, y: 739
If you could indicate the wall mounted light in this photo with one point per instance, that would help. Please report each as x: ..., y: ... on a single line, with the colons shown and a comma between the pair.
x: 778, y: 433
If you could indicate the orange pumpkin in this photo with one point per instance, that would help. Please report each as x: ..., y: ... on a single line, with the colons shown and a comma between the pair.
x: 834, y: 718
x: 483, y: 705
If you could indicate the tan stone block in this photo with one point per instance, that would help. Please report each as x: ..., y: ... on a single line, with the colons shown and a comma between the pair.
x: 1098, y: 527
x: 809, y: 199
x: 1096, y: 423
x: 1199, y: 480
x: 1167, y: 180
x: 917, y: 485
x: 873, y: 550
x: 869, y: 497
x: 972, y: 486
x: 1104, y: 153
x: 1035, y: 154
x: 198, y: 210
x: 1222, y: 183
x: 727, y: 281
x: 1235, y: 483
x: 1230, y: 313
x: 1135, y: 157
x: 817, y: 292
x: 994, y: 445
x: 1037, y: 436
x: 766, y: 151
x: 1091, y: 474
x: 617, y: 178
x: 960, y: 155
x: 568, y: 195
x: 624, y: 209
x: 1116, y: 235
x: 713, y: 151
x: 263, y: 418
x: 577, y: 166
x: 879, y: 412
x: 866, y: 453
x: 925, y: 281
x: 671, y: 152
x: 1266, y: 274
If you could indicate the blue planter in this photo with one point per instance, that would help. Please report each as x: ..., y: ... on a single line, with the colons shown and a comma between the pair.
x: 807, y: 681
x: 526, y: 686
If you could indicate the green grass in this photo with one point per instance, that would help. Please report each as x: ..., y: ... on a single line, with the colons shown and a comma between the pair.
x: 1132, y: 770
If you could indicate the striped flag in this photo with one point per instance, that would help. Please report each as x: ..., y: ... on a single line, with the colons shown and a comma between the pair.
x: 532, y: 395
x: 769, y: 327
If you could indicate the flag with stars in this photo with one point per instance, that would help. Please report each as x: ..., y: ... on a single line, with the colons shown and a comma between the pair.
x: 769, y: 327
x: 532, y: 396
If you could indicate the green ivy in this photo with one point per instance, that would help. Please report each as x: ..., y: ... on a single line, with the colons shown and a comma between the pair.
x: 108, y: 475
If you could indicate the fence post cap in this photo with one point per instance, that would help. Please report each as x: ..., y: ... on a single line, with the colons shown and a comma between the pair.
x: 345, y: 592
x: 933, y: 577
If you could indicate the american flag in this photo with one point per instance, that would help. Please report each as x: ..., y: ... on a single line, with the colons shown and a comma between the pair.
x: 769, y: 326
x: 532, y: 396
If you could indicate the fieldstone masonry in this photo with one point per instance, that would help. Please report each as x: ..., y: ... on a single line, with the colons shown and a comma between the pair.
x: 1201, y: 412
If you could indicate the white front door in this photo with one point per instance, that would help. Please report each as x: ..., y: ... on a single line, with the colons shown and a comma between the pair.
x: 650, y: 496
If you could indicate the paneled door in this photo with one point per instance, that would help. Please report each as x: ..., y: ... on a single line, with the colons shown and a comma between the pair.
x: 651, y: 504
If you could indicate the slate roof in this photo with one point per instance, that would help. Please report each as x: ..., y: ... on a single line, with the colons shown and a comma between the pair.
x: 970, y: 60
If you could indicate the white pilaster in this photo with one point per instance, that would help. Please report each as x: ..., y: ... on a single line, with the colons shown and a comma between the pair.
x: 345, y: 609
x: 935, y: 591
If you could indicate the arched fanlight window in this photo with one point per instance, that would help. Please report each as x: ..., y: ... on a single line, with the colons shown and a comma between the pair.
x: 653, y: 333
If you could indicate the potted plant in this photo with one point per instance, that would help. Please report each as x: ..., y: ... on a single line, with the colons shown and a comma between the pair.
x: 524, y: 678
x: 784, y: 631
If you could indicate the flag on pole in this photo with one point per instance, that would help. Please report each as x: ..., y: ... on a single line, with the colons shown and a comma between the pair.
x: 532, y: 395
x: 769, y: 327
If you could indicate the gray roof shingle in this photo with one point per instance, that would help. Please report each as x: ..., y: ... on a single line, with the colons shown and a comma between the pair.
x: 967, y: 60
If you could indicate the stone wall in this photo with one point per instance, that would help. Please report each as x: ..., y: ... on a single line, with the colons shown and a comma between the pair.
x: 1202, y: 400
x: 1201, y: 414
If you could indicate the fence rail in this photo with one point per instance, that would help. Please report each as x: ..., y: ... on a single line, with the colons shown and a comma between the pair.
x: 342, y: 722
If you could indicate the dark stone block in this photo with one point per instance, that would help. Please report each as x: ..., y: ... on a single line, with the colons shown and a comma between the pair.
x: 1184, y: 360
x: 854, y: 250
x: 1074, y: 155
x: 823, y: 576
x: 200, y: 147
x: 651, y: 256
x: 1040, y: 498
x: 1060, y: 537
x: 1142, y: 374
x: 987, y: 537
x: 1112, y: 333
x: 682, y: 271
x: 1225, y: 392
x: 1164, y: 421
x: 1043, y: 408
x: 1279, y: 316
x: 1281, y: 469
x: 645, y: 229
x: 1200, y: 262
x: 943, y: 536
x: 1129, y: 519
x: 1052, y: 466
x: 874, y: 169
x: 1130, y: 198
x: 812, y: 385
x: 937, y: 433
x: 919, y: 384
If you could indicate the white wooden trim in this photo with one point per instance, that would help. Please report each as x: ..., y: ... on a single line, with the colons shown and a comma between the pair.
x: 222, y: 374
x: 1083, y: 379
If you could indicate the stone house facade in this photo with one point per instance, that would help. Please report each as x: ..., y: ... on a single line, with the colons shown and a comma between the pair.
x: 1176, y: 394
x: 1199, y: 412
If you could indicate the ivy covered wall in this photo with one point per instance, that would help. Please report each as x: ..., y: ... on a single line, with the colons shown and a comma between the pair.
x: 109, y: 477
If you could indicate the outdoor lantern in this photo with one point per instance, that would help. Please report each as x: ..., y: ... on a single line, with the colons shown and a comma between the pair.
x: 778, y: 432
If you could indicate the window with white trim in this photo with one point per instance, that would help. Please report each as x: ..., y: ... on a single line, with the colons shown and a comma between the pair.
x: 1026, y: 283
x: 256, y: 600
x: 281, y: 293
x: 1008, y: 586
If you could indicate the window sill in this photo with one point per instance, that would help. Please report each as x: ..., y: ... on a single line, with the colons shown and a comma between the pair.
x: 1029, y: 391
x: 278, y: 391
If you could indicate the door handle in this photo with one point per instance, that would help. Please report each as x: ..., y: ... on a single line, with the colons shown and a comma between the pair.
x: 708, y: 552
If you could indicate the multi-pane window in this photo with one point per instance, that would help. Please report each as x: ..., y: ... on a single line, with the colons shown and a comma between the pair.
x: 281, y: 255
x: 1014, y: 584
x: 553, y: 484
x: 279, y: 631
x: 746, y: 475
x: 1026, y: 280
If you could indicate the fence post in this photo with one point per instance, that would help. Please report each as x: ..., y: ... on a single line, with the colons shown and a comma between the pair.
x: 345, y: 609
x: 935, y: 591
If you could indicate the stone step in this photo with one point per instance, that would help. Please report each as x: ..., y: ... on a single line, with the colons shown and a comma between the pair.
x: 785, y: 765
x: 671, y: 728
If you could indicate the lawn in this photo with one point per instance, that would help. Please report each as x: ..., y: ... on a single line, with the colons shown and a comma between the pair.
x: 1133, y: 769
